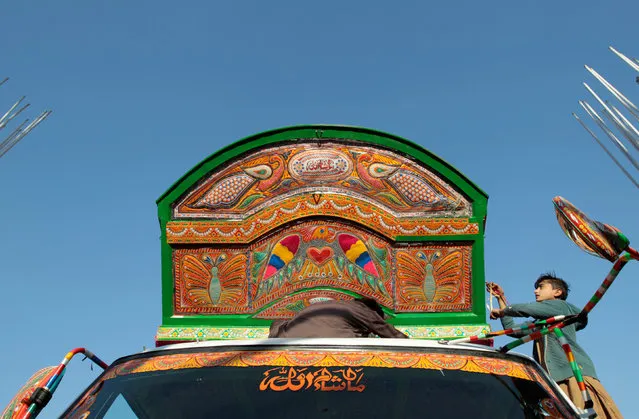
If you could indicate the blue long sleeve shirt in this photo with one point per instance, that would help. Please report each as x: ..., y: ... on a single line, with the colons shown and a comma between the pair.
x: 549, y: 352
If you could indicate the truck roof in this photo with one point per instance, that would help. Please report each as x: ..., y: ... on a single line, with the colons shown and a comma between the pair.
x: 335, y: 343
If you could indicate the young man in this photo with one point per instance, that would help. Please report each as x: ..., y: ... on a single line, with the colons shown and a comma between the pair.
x: 337, y: 319
x: 550, y: 295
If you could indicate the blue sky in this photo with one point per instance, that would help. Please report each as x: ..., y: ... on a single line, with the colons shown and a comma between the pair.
x: 142, y: 91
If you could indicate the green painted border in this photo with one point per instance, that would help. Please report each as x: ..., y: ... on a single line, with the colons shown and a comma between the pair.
x: 180, y: 334
x: 285, y: 135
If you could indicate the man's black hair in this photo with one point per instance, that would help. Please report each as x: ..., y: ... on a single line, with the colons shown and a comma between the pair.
x: 555, y: 282
x: 372, y: 304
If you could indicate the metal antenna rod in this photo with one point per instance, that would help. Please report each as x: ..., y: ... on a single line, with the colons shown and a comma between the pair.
x: 6, y: 117
x: 632, y: 179
x: 601, y: 102
x: 23, y: 129
x: 611, y: 118
x: 609, y: 113
x: 628, y: 61
x: 36, y: 122
x: 608, y: 132
x: 616, y: 93
x: 9, y: 142
x: 23, y: 132
x: 628, y: 130
x: 619, y: 121
x: 16, y: 113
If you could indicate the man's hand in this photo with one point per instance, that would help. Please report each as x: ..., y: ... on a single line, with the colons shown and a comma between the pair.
x: 495, y: 289
x: 497, y: 313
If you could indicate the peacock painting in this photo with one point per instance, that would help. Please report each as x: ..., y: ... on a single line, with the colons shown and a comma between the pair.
x: 414, y: 189
x: 227, y: 191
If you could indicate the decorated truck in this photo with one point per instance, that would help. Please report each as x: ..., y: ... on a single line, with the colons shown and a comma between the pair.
x: 281, y: 220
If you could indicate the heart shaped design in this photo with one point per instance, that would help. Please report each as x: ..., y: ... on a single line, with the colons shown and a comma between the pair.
x: 319, y: 256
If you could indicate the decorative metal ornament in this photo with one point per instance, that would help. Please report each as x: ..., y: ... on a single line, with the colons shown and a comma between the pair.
x: 594, y: 237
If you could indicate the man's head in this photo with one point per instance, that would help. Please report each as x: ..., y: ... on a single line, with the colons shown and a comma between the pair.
x: 372, y: 304
x: 549, y: 287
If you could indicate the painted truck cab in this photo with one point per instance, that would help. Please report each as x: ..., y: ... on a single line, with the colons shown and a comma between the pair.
x: 319, y: 378
x: 280, y: 220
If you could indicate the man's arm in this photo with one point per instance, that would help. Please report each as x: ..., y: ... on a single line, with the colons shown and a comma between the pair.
x: 276, y: 328
x: 385, y: 330
x: 373, y: 322
x: 537, y: 310
x: 507, y: 322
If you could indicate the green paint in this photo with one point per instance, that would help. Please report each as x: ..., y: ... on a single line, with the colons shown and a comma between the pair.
x: 391, y: 198
x: 247, y: 201
x: 296, y: 306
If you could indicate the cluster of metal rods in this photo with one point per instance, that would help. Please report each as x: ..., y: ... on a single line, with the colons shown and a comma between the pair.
x: 616, y: 118
x: 21, y: 130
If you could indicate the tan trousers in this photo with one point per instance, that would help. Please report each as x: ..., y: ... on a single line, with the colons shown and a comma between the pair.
x: 603, y: 403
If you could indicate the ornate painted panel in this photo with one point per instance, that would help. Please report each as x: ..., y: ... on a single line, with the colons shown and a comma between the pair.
x: 313, y: 205
x: 320, y: 254
x: 210, y: 281
x: 433, y: 278
x: 381, y: 177
x: 168, y: 334
x: 290, y: 305
x: 374, y: 359
x: 315, y: 261
x: 282, y: 220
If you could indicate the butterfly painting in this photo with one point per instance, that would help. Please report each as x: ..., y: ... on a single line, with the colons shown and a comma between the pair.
x: 431, y: 277
x: 214, y: 279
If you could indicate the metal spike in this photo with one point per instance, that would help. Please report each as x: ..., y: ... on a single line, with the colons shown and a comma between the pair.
x: 607, y: 110
x: 10, y: 141
x: 627, y: 129
x: 7, y: 116
x: 616, y: 93
x: 16, y: 113
x: 628, y: 61
x: 23, y: 129
x: 12, y: 135
x: 36, y: 122
x: 20, y: 133
x: 632, y: 179
x: 598, y: 99
x: 608, y: 132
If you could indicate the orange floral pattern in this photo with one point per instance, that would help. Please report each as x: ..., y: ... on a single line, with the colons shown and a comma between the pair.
x: 379, y: 359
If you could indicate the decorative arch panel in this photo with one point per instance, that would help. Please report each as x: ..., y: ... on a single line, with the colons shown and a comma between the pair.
x: 285, y: 219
